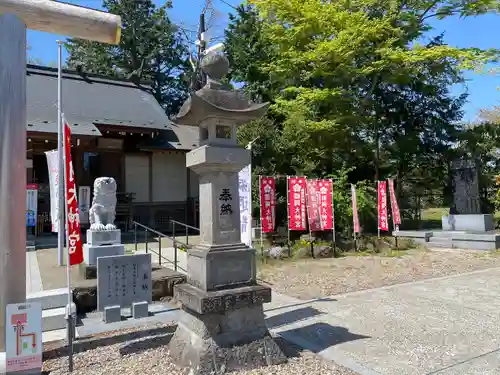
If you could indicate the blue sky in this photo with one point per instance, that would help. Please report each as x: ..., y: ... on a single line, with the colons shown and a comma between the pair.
x: 479, y: 32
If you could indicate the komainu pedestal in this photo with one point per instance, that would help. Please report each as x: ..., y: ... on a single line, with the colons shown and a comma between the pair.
x: 222, y: 325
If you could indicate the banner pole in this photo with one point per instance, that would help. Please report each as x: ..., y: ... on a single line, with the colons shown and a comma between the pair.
x: 309, y: 219
x: 378, y: 209
x: 392, y: 211
x: 334, y: 240
x: 63, y: 208
x: 288, y: 219
x: 60, y: 156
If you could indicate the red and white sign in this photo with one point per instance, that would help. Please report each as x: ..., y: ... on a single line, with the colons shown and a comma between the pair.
x: 23, y: 336
x: 355, y: 218
x: 319, y: 205
x: 75, y: 246
x: 396, y: 217
x: 297, y: 203
x: 267, y: 203
x: 383, y: 223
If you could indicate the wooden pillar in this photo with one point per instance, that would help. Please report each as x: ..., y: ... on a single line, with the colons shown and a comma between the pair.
x: 12, y: 165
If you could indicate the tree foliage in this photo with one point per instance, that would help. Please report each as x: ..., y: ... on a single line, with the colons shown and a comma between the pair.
x: 150, y: 50
x: 346, y: 76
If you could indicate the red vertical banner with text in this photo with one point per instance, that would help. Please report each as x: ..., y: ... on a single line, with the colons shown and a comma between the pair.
x: 313, y: 205
x: 297, y: 203
x: 355, y: 217
x: 325, y: 192
x: 396, y: 217
x: 267, y: 203
x: 75, y: 246
x: 383, y: 223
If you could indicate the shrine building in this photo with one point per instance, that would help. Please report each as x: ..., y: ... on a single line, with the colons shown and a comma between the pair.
x: 118, y: 130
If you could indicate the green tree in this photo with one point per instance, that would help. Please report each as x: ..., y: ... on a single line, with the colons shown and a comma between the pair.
x: 346, y: 76
x: 150, y: 50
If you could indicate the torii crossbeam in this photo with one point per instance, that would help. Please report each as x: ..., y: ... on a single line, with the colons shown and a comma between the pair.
x: 15, y: 17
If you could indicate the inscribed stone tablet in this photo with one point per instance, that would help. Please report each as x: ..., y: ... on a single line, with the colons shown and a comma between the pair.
x: 466, y: 193
x: 123, y: 279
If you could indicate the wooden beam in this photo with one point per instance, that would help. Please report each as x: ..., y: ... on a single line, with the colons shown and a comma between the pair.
x: 65, y: 19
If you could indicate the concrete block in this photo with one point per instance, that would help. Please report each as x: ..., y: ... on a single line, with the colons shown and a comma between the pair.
x: 413, y: 234
x: 106, y: 237
x: 112, y: 314
x: 140, y: 309
x: 473, y: 223
x: 221, y: 267
x: 92, y: 252
x: 50, y: 298
x: 53, y: 319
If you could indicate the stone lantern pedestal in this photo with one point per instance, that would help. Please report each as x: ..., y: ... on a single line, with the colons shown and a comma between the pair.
x: 222, y: 323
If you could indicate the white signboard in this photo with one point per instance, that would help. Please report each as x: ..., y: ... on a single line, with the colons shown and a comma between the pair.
x: 23, y: 336
x: 52, y: 163
x: 84, y: 203
x: 245, y: 190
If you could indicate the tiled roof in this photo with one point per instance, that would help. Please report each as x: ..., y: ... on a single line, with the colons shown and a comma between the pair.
x: 180, y: 137
x: 89, y: 100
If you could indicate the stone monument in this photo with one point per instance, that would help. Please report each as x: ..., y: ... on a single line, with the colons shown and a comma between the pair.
x: 465, y: 212
x: 221, y: 324
x: 103, y: 238
x: 124, y: 281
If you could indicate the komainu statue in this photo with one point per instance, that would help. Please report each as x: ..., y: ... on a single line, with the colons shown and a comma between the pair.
x: 103, y: 210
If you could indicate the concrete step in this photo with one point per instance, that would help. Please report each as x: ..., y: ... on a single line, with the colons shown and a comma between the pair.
x: 50, y: 299
x: 447, y: 233
x: 442, y: 242
x: 53, y: 319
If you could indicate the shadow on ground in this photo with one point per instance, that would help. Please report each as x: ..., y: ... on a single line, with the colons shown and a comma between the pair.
x: 90, y: 343
x: 321, y: 336
x: 289, y: 317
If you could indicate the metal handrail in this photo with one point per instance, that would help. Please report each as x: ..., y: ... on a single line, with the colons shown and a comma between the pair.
x: 160, y: 236
x: 186, y: 226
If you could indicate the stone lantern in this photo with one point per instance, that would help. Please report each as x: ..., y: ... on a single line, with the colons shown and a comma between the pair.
x: 222, y: 320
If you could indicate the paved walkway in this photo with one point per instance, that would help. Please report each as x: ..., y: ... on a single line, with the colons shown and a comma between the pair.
x: 444, y: 326
x: 33, y: 278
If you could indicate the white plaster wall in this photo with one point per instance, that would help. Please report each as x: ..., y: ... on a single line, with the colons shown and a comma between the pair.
x: 169, y: 176
x: 137, y: 176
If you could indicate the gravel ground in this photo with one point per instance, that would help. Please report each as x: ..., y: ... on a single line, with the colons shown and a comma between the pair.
x: 99, y: 355
x: 316, y: 278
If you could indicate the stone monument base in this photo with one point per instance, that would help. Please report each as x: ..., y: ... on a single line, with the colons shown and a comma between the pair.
x: 223, y: 329
x: 472, y: 223
x: 91, y: 252
x: 104, y: 237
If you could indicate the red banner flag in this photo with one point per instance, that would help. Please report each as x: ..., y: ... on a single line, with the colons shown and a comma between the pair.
x: 75, y: 247
x: 320, y: 205
x: 325, y: 189
x: 355, y: 218
x: 396, y: 217
x: 296, y: 203
x: 313, y: 206
x: 267, y: 203
x: 383, y: 223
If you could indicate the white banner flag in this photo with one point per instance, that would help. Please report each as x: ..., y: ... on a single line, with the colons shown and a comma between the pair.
x: 245, y: 190
x: 52, y: 164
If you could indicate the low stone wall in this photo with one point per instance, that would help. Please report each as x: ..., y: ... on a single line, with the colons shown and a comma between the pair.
x: 163, y: 281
